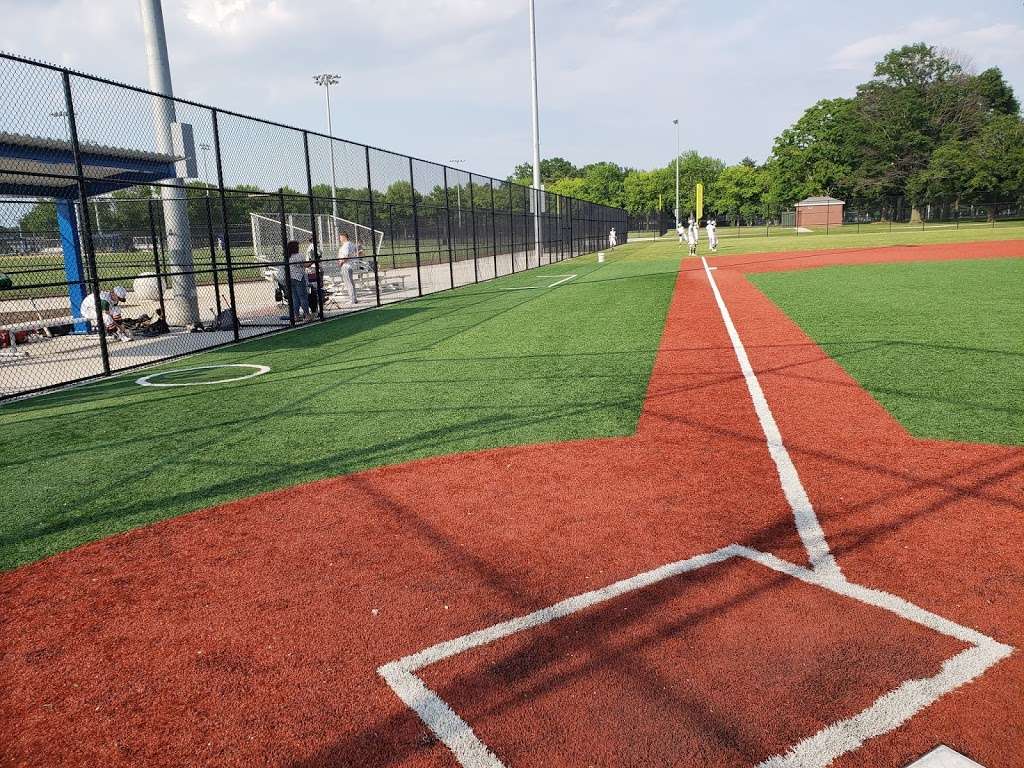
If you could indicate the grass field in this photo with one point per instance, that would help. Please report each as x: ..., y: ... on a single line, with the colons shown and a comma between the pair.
x: 940, y: 345
x: 753, y: 240
x: 474, y: 368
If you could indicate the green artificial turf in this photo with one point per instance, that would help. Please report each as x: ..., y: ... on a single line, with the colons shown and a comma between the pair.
x: 734, y: 241
x: 940, y: 344
x: 473, y: 368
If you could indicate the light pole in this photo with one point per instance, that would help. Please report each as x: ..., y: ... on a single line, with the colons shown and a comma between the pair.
x: 676, y: 124
x: 458, y: 192
x: 206, y: 175
x: 327, y: 80
x: 63, y: 114
x: 537, y: 195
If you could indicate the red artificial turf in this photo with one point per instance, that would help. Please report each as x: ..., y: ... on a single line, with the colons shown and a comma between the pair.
x: 250, y: 633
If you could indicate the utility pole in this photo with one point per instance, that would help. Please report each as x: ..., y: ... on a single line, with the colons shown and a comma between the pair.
x: 183, y: 309
x: 458, y: 192
x: 676, y: 124
x: 326, y: 81
x: 537, y: 195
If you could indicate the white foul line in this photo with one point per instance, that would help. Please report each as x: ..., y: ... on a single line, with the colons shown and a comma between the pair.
x: 807, y: 525
x: 887, y: 713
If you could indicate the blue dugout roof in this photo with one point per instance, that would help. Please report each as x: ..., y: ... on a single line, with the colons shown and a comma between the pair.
x: 33, y: 166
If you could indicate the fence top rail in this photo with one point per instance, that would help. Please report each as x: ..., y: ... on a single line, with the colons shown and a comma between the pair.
x: 199, y: 105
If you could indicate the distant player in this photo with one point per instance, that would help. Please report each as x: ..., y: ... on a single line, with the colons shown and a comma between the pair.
x: 691, y: 237
x: 681, y: 231
x: 613, y: 239
x: 712, y: 227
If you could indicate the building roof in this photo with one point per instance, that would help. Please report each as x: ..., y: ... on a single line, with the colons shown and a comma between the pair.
x: 45, y: 167
x: 825, y: 200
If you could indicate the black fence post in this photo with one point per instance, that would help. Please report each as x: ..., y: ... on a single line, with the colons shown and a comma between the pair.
x: 313, y: 233
x: 391, y: 233
x: 494, y: 231
x: 213, y: 255
x: 83, y: 200
x: 224, y: 222
x: 472, y: 213
x: 286, y: 260
x: 415, y: 229
x: 373, y: 226
x: 448, y: 225
x: 156, y: 258
x: 512, y: 227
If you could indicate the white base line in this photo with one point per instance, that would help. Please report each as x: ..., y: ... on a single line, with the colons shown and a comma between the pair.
x: 807, y: 525
x: 818, y: 751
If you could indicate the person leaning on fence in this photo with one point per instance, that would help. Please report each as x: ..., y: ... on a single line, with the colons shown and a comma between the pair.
x: 297, y: 278
x: 113, y: 320
x: 348, y: 254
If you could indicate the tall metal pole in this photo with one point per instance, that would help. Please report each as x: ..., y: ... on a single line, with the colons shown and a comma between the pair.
x: 184, y: 309
x: 676, y: 124
x: 327, y: 80
x: 536, y: 131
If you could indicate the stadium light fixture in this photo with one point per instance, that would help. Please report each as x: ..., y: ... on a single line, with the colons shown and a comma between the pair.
x: 325, y: 81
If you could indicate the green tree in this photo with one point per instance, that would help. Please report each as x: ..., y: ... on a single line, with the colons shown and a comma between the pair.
x: 817, y: 154
x: 551, y: 169
x: 741, y: 189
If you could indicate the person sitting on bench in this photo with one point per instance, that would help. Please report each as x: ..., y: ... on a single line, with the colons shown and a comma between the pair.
x: 109, y: 302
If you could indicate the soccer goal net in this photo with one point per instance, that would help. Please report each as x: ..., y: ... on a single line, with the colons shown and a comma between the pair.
x: 267, y: 234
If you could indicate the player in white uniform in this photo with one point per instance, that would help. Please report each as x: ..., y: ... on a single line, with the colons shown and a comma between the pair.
x: 691, y: 237
x: 112, y: 319
x: 613, y: 239
x: 712, y: 227
x: 348, y: 253
x: 681, y: 231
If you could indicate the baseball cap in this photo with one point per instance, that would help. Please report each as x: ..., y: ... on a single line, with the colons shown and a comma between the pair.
x: 120, y: 292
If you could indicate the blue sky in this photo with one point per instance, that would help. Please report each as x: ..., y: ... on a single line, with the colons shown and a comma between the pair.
x: 449, y: 79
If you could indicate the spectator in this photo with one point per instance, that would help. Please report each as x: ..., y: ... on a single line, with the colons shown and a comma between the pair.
x: 297, y: 278
x: 347, y: 256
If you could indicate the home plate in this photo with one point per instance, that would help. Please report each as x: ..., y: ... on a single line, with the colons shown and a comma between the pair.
x: 944, y: 757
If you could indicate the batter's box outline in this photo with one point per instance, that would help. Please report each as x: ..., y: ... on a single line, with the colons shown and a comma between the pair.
x: 887, y: 713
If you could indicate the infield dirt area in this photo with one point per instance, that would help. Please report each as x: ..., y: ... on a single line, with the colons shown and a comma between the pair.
x: 252, y: 633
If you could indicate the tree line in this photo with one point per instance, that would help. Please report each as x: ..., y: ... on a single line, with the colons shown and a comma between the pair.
x: 926, y: 127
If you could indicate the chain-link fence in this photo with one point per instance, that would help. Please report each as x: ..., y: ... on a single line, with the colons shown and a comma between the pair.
x: 221, y: 227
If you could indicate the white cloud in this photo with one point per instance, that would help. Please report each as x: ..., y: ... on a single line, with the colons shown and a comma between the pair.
x: 991, y: 44
x: 249, y: 18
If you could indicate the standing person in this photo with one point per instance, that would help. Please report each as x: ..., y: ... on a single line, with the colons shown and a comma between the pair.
x: 347, y: 255
x: 691, y: 237
x: 712, y: 227
x: 613, y: 239
x: 681, y: 231
x: 297, y: 277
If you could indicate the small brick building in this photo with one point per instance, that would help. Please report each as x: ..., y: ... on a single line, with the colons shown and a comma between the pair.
x: 819, y: 212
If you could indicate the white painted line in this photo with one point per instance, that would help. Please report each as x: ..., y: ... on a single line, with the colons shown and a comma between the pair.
x: 146, y: 381
x: 887, y: 713
x: 807, y: 525
x: 944, y: 757
x: 565, y: 279
x: 447, y: 726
